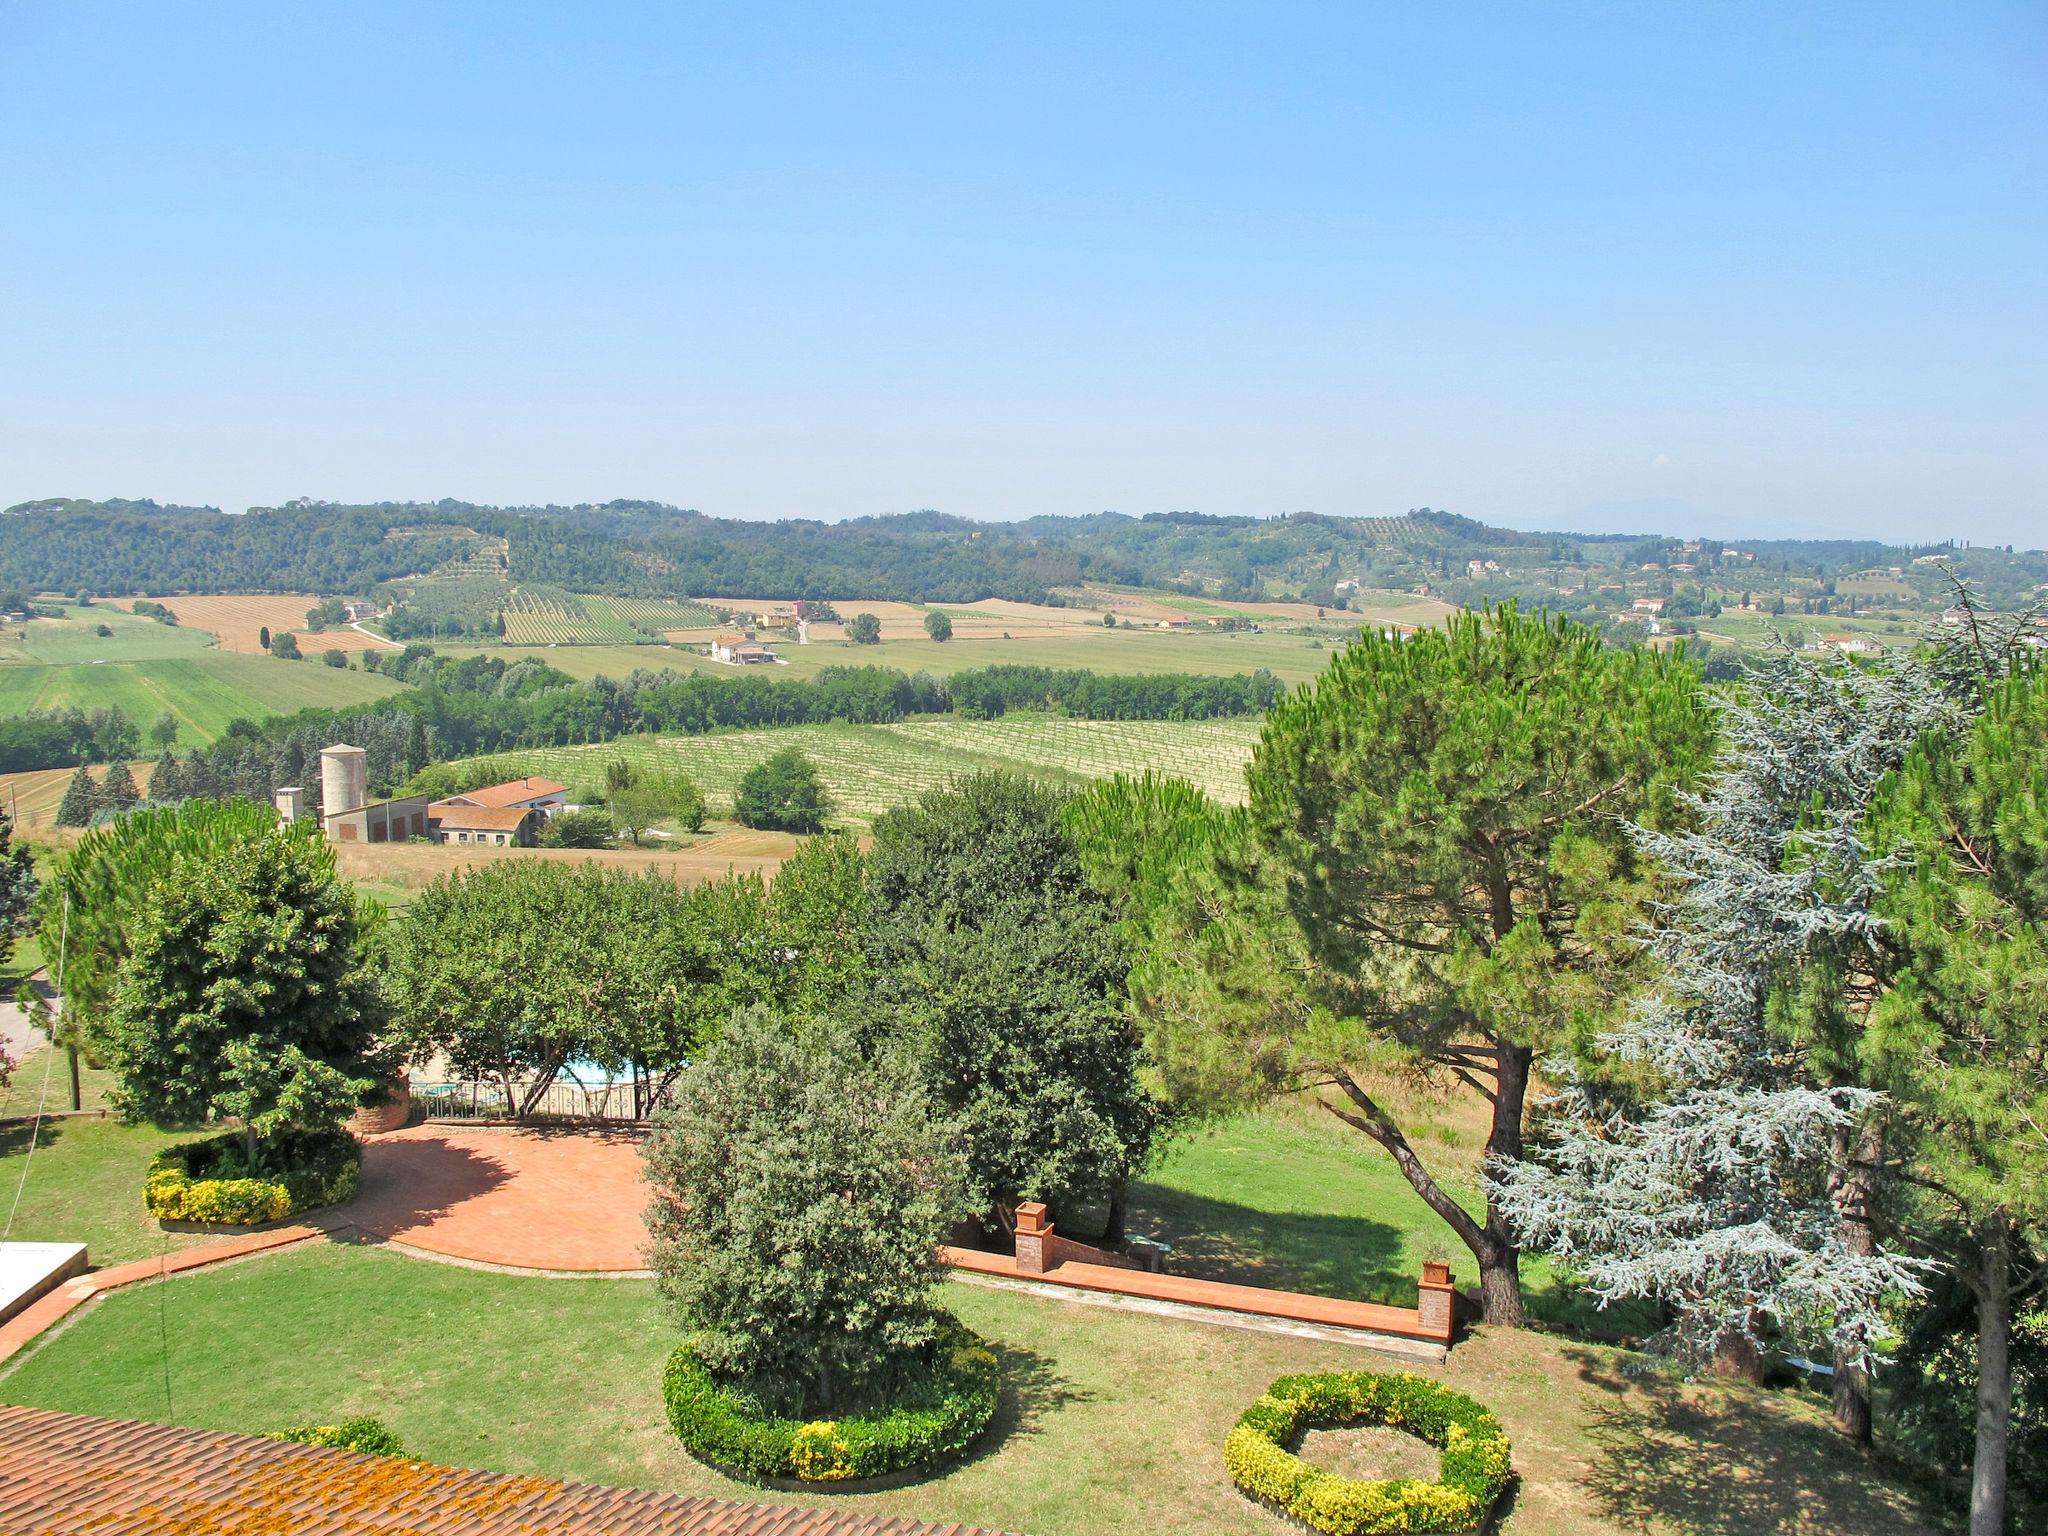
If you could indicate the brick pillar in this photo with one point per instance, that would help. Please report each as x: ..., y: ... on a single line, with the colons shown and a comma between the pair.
x: 1034, y: 1238
x: 1433, y: 1297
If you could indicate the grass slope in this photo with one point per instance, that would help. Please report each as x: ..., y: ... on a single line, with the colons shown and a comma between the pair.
x: 869, y: 768
x: 204, y: 691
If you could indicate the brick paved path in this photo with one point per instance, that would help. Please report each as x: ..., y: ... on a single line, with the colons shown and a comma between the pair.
x: 524, y: 1197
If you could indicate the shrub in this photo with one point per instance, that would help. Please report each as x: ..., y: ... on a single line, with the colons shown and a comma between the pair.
x: 365, y: 1435
x: 937, y: 1408
x: 213, y: 1181
x: 1474, y: 1469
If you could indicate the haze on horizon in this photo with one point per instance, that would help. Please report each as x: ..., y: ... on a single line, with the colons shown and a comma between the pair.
x: 1737, y: 272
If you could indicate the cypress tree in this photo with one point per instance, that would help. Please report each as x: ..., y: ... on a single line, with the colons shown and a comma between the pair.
x: 79, y: 802
x: 167, y: 780
x: 117, y: 791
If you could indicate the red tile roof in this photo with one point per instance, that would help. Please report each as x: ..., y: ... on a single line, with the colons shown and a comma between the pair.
x: 64, y: 1474
x: 517, y: 791
x: 477, y: 818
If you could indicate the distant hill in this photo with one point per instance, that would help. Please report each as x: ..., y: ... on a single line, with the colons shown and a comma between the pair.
x: 651, y: 549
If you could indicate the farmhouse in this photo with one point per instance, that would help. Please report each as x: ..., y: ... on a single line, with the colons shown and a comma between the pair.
x: 1648, y: 605
x: 1851, y: 645
x: 504, y: 815
x: 740, y: 651
x: 507, y: 826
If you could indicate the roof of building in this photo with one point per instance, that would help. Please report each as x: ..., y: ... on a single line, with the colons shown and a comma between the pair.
x: 63, y: 1474
x: 478, y: 818
x: 512, y: 792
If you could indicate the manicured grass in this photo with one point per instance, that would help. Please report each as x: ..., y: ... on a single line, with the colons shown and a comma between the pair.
x: 84, y: 1182
x: 1291, y: 1198
x: 1112, y: 1421
x: 204, y: 691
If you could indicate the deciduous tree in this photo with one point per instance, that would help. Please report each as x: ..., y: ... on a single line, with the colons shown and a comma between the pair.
x: 247, y: 992
x: 782, y: 794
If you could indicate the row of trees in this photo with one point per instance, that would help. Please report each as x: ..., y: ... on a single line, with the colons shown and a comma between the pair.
x: 1782, y: 953
x: 65, y: 738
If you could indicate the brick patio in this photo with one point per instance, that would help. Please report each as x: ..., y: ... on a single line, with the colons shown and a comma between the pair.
x: 528, y: 1198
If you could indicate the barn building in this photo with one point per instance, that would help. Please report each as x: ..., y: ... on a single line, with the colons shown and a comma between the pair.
x: 499, y: 815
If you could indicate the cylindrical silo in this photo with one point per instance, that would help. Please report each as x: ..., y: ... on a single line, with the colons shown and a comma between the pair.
x: 344, y: 779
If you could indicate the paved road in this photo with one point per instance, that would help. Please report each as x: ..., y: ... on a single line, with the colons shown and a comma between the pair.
x: 16, y: 1033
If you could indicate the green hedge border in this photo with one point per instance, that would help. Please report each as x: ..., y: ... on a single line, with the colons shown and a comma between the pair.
x: 717, y: 1428
x: 1474, y: 1470
x: 324, y: 1169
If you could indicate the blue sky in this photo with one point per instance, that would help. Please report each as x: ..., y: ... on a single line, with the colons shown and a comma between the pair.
x: 1700, y: 268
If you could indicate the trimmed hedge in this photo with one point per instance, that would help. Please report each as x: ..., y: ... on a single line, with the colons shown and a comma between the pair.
x: 366, y: 1435
x: 207, y: 1181
x: 939, y: 1417
x: 1474, y: 1470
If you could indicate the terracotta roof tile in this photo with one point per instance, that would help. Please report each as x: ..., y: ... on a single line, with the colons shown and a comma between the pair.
x: 513, y: 792
x: 64, y: 1474
x: 489, y: 819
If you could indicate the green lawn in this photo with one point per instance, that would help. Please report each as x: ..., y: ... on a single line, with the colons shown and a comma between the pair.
x: 85, y: 1178
x: 204, y: 691
x: 1112, y: 1421
x: 1291, y: 1198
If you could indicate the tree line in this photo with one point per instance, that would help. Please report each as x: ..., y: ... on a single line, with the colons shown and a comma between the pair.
x: 1780, y: 955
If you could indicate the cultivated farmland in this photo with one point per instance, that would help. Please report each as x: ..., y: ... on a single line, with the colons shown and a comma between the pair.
x: 549, y: 616
x: 237, y: 620
x: 869, y: 768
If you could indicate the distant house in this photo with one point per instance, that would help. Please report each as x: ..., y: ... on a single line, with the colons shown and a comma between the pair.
x: 1648, y: 605
x: 1349, y: 584
x: 1851, y: 645
x: 740, y: 651
x: 1644, y: 619
x: 1933, y: 559
x: 1957, y: 616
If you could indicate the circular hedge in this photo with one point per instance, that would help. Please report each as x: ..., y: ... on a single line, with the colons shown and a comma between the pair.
x: 1474, y: 1469
x: 209, y: 1182
x: 935, y: 1419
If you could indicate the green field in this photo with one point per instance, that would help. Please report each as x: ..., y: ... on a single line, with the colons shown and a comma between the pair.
x: 144, y: 668
x: 75, y: 638
x: 1293, y: 658
x: 869, y: 768
x: 204, y: 691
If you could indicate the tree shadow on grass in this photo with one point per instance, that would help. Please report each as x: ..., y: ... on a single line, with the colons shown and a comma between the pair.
x: 1708, y: 1462
x: 1353, y: 1257
x: 1032, y: 1388
x: 14, y: 1138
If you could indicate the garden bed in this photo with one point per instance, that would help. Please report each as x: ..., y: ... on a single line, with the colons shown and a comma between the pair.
x: 1472, y: 1473
x: 933, y: 1421
x: 208, y: 1185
